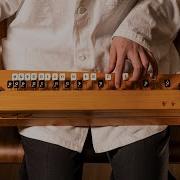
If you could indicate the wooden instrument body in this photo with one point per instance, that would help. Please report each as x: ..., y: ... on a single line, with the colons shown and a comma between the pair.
x: 91, y: 106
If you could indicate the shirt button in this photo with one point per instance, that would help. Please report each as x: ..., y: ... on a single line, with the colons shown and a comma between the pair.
x: 81, y: 10
x: 82, y: 57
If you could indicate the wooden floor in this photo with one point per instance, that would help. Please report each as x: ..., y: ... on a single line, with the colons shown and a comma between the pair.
x: 104, y: 171
x: 91, y: 171
x: 175, y: 170
x: 9, y: 171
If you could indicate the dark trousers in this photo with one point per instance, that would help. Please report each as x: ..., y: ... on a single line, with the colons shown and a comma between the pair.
x: 146, y: 159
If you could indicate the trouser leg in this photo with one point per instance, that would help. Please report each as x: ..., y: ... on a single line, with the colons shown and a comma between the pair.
x: 45, y: 161
x: 143, y: 160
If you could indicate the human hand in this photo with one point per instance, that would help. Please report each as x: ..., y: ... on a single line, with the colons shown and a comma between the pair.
x: 121, y: 49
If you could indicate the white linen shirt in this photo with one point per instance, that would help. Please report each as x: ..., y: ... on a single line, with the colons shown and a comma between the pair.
x: 75, y: 35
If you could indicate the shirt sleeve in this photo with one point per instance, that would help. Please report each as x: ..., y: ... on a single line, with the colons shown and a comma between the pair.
x: 8, y: 8
x: 152, y: 24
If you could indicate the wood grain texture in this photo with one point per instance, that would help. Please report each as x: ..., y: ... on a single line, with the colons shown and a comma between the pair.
x: 89, y: 120
x: 89, y: 100
x: 11, y: 150
x: 90, y: 108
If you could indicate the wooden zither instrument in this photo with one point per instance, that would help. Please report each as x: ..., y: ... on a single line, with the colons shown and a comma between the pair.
x: 30, y: 98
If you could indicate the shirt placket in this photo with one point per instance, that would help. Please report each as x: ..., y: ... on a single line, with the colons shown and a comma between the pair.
x: 82, y: 54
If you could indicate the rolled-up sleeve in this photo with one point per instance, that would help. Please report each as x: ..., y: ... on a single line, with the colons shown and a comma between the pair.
x: 8, y: 8
x: 152, y: 24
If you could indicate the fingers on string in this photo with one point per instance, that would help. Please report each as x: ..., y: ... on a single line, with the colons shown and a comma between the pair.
x: 112, y: 59
x: 119, y: 68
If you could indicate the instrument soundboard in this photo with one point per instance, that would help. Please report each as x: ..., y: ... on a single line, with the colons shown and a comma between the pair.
x: 30, y: 98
